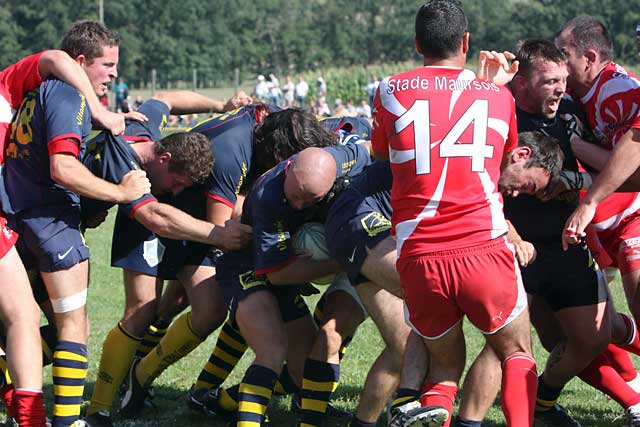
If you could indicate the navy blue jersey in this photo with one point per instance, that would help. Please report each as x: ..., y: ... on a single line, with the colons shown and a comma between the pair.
x: 549, y: 216
x: 111, y: 157
x: 231, y: 136
x: 345, y: 126
x: 274, y: 221
x: 52, y: 119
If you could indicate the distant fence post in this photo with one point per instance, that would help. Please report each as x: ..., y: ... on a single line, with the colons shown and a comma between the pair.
x: 236, y: 79
x: 194, y: 79
x: 153, y: 81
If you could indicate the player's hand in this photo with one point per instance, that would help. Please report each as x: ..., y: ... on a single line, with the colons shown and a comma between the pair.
x: 134, y: 185
x: 105, y: 119
x: 494, y: 66
x: 233, y: 236
x: 135, y: 116
x: 573, y: 232
x: 238, y: 100
x: 525, y: 253
x: 95, y: 220
x: 575, y: 127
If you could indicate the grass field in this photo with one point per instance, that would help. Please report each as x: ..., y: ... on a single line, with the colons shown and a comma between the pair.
x: 105, y: 308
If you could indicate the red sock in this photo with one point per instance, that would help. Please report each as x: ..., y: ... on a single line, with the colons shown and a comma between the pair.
x: 519, y: 389
x: 29, y: 408
x: 601, y: 375
x: 434, y: 394
x: 621, y: 362
x: 632, y: 343
x: 6, y: 393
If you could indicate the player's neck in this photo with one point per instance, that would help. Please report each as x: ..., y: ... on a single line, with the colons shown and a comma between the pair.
x: 458, y: 61
x: 145, y: 151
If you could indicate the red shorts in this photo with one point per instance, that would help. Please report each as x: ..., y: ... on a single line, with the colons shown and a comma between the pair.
x: 622, y: 245
x: 8, y: 237
x: 482, y: 282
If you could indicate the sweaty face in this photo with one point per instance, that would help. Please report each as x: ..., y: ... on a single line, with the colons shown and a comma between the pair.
x: 102, y: 70
x: 545, y: 86
x: 576, y: 63
x: 516, y: 179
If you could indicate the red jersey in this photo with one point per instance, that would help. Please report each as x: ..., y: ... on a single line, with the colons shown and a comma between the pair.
x: 612, y: 106
x: 445, y: 132
x: 15, y: 81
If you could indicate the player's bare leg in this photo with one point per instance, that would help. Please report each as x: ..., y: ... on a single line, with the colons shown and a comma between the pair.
x: 379, y: 266
x: 301, y: 336
x: 386, y: 311
x: 480, y: 387
x: 630, y: 282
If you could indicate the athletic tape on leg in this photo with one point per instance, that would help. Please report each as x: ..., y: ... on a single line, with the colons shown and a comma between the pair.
x: 70, y: 303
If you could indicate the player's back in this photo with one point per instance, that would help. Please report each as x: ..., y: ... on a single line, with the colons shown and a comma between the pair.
x: 445, y: 132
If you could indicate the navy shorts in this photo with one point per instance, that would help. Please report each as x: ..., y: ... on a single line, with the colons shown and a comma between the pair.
x: 136, y: 248
x: 354, y: 224
x: 238, y: 280
x: 50, y: 238
x: 565, y: 279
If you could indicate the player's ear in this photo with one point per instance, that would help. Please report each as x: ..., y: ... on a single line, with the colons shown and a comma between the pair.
x: 418, y: 48
x: 591, y: 56
x: 521, y: 154
x: 165, y: 157
x: 82, y: 60
x: 465, y: 42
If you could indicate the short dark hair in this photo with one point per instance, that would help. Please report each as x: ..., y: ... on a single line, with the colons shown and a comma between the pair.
x: 440, y: 25
x: 285, y: 133
x: 545, y: 153
x: 531, y: 51
x: 190, y: 154
x: 88, y: 38
x: 588, y: 32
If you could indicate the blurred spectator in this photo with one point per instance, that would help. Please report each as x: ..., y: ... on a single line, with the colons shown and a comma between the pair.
x: 371, y: 88
x: 351, y: 109
x: 338, y: 109
x: 274, y: 90
x: 321, y: 88
x: 262, y: 90
x: 302, y: 89
x: 322, y: 107
x: 137, y: 103
x: 638, y: 37
x: 364, y: 109
x: 289, y: 89
x: 122, y: 92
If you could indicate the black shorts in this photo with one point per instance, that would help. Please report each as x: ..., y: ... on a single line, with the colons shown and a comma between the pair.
x: 565, y: 279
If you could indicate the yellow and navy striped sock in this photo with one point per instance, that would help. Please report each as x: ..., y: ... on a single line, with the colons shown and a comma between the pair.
x: 285, y: 384
x: 179, y: 341
x: 404, y: 396
x: 152, y: 337
x: 69, y: 373
x: 254, y: 395
x: 117, y: 353
x: 230, y: 347
x: 228, y: 398
x: 320, y: 380
x: 547, y: 396
x: 49, y: 340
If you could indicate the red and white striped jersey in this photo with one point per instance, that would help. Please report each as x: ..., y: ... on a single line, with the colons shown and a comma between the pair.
x: 445, y: 132
x: 612, y: 106
x: 15, y: 81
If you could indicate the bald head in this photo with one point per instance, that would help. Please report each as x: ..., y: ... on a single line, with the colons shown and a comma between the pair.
x: 309, y: 177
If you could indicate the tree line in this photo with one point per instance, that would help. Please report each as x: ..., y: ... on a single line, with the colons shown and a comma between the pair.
x: 286, y: 36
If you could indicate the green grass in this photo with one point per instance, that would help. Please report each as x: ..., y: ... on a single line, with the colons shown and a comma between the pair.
x: 105, y: 308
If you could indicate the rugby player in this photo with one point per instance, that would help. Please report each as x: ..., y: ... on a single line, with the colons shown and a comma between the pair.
x: 22, y: 390
x: 567, y: 291
x: 447, y: 212
x: 43, y: 180
x: 173, y: 164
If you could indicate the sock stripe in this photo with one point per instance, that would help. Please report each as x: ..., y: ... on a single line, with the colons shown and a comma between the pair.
x: 231, y: 344
x: 68, y: 390
x: 232, y: 332
x: 71, y: 373
x: 326, y: 387
x: 66, y: 355
x: 255, y: 390
x: 222, y: 357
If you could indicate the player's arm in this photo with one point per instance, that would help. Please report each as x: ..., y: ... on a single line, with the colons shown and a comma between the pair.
x: 623, y: 165
x: 67, y: 171
x: 188, y: 102
x: 59, y: 64
x: 525, y: 251
x: 170, y: 222
x: 218, y: 212
x: 303, y: 270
